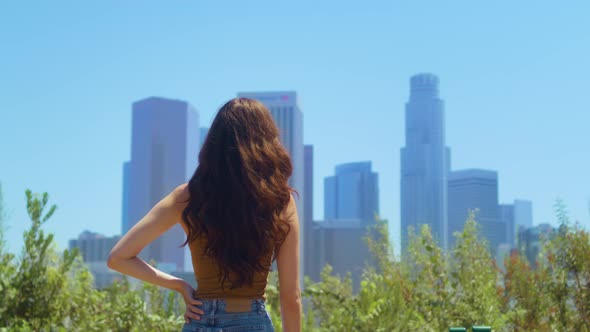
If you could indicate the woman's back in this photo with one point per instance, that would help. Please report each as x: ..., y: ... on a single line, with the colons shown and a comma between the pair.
x: 207, y: 274
x: 240, y: 211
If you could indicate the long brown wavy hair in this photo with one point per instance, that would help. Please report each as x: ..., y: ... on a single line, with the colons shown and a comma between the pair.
x: 240, y: 190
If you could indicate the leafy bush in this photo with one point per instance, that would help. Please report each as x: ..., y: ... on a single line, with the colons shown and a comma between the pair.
x: 44, y: 291
x: 427, y: 290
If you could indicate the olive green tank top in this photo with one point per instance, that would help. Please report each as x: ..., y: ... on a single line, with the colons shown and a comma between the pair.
x: 207, y: 276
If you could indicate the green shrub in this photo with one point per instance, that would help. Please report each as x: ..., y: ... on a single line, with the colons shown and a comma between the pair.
x: 427, y: 290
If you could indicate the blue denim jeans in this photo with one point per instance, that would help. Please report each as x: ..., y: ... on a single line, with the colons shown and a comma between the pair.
x: 217, y: 319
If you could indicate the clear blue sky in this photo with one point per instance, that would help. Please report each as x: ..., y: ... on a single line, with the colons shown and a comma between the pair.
x: 514, y: 76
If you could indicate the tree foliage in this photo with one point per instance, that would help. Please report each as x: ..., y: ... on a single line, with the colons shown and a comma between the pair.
x: 42, y: 290
x: 428, y: 289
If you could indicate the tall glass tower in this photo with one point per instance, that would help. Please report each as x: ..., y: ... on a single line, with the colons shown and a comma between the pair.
x: 475, y: 190
x: 425, y: 161
x: 353, y: 193
x: 164, y: 154
x: 309, y: 246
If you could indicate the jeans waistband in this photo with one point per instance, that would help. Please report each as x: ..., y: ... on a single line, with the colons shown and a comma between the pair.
x: 232, y: 304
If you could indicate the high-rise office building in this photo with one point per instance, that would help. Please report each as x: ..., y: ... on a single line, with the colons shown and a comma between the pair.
x: 351, y: 199
x: 341, y: 244
x: 506, y: 216
x: 475, y: 190
x: 425, y: 161
x: 309, y: 246
x: 523, y: 214
x: 352, y: 193
x: 164, y: 154
x: 287, y: 114
x: 95, y: 249
x: 517, y: 217
x: 125, y: 204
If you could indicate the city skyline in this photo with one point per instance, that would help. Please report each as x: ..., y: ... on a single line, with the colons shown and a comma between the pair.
x: 515, y: 92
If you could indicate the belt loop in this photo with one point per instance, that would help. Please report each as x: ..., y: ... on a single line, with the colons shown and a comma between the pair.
x: 212, y: 313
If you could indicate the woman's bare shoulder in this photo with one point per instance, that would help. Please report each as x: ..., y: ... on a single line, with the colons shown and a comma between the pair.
x: 182, y: 191
x: 181, y: 195
x: 290, y: 210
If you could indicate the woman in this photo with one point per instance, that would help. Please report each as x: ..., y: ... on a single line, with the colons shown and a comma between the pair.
x: 239, y: 215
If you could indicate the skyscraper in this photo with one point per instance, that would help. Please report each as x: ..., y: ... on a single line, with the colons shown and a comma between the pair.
x: 125, y: 202
x: 506, y: 216
x: 425, y: 161
x: 285, y: 110
x: 351, y: 199
x: 309, y: 247
x: 341, y: 244
x: 523, y: 214
x: 517, y: 217
x: 477, y: 190
x: 164, y: 154
x: 95, y: 249
x: 352, y: 193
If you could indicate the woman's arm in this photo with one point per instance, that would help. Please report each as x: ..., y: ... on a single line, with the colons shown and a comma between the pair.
x: 123, y: 257
x: 288, y: 266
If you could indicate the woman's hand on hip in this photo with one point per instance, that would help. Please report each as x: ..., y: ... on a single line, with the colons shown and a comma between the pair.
x: 192, y: 309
